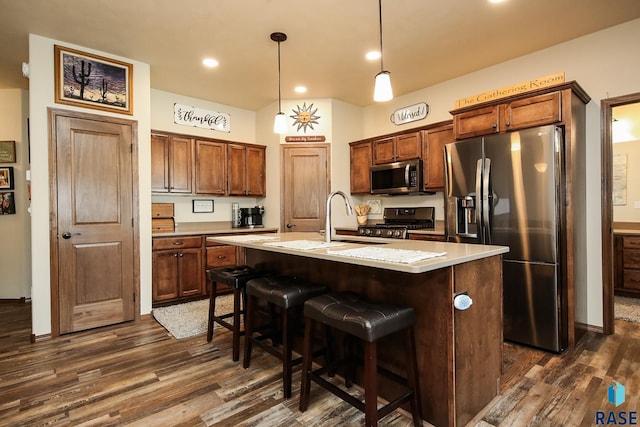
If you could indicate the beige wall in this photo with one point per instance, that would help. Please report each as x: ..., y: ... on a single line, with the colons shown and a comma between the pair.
x: 15, y: 230
x: 40, y: 98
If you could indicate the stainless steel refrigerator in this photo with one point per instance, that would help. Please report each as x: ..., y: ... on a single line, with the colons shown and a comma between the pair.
x: 507, y: 190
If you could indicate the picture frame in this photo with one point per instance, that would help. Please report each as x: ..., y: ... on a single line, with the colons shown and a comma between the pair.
x: 6, y: 178
x: 7, y: 151
x: 7, y: 203
x: 202, y: 206
x: 86, y: 80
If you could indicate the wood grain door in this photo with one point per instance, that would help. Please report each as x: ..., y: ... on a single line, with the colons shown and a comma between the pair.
x: 93, y: 220
x: 305, y: 185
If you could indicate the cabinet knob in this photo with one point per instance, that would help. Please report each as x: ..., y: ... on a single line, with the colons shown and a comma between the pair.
x: 221, y: 257
x: 178, y: 242
x: 508, y: 123
x: 181, y: 254
x: 495, y: 126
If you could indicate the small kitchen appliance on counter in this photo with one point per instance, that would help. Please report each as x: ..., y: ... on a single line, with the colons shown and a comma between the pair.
x: 251, y: 217
x: 398, y: 221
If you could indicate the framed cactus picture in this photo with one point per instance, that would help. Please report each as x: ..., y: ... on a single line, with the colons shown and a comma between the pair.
x: 87, y: 80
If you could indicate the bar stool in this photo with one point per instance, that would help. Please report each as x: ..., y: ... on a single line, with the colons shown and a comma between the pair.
x: 368, y: 321
x: 286, y: 294
x: 236, y: 278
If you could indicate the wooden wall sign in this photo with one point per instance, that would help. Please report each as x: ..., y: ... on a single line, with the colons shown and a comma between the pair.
x: 516, y: 89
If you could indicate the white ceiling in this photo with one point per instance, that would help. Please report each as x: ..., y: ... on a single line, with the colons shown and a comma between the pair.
x: 425, y: 41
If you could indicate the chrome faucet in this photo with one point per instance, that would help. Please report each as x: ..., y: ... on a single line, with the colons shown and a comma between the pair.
x: 327, y: 225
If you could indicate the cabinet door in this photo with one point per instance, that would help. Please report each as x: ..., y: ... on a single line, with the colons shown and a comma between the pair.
x: 360, y: 158
x: 165, y: 275
x: 433, y: 156
x: 255, y: 171
x: 159, y: 163
x: 180, y: 157
x: 534, y: 111
x: 483, y: 121
x: 210, y: 167
x: 408, y: 146
x: 384, y: 151
x: 236, y: 166
x: 190, y: 265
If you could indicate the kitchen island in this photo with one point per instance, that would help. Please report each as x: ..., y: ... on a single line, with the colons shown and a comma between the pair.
x: 459, y: 352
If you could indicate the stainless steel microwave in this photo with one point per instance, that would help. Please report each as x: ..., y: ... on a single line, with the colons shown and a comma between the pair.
x: 397, y: 178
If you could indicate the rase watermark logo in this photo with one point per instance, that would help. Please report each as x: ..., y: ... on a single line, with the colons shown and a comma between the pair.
x: 615, y: 396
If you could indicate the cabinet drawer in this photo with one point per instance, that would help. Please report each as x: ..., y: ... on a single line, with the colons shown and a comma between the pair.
x: 631, y: 259
x: 631, y: 279
x: 177, y: 242
x: 221, y: 256
x: 629, y: 242
x: 162, y: 210
x: 159, y: 225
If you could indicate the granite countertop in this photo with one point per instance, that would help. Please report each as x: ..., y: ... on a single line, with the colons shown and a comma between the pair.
x: 222, y: 227
x: 455, y: 253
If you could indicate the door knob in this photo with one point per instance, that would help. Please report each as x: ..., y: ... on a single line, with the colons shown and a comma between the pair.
x: 67, y: 235
x: 290, y: 225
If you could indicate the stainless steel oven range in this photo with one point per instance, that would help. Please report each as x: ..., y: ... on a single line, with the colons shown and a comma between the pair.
x: 398, y: 221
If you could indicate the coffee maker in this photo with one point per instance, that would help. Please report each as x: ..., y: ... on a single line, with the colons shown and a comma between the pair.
x: 251, y: 217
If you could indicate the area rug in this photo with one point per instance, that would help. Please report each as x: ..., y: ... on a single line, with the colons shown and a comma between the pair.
x: 190, y: 319
x: 627, y: 309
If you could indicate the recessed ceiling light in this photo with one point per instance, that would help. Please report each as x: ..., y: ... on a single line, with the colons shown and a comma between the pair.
x: 210, y: 62
x: 300, y: 89
x: 373, y: 55
x: 496, y: 1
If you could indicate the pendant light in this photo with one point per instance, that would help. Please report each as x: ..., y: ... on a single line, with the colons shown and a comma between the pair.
x: 280, y: 123
x: 382, y: 91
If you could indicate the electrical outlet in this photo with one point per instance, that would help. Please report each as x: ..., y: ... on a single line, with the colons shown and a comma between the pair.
x: 636, y: 204
x: 375, y: 207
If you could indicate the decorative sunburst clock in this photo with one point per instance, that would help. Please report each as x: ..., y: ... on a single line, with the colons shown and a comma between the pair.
x: 305, y: 117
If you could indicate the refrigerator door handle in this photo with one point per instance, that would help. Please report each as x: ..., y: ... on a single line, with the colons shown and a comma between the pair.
x: 478, y: 205
x: 486, y: 220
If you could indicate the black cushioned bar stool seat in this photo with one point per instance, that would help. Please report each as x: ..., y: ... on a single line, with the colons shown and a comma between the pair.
x: 368, y: 321
x: 236, y: 278
x: 286, y: 294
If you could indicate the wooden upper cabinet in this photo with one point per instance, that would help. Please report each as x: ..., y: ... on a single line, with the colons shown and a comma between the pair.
x: 360, y: 158
x: 433, y: 141
x: 180, y: 158
x: 521, y: 113
x: 397, y: 148
x: 210, y: 167
x: 159, y: 163
x: 256, y: 171
x: 482, y: 121
x: 533, y: 111
x: 246, y: 170
x: 171, y: 158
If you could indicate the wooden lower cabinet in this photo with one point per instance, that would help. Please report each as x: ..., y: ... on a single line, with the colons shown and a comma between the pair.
x: 429, y: 237
x: 627, y: 265
x: 177, y: 271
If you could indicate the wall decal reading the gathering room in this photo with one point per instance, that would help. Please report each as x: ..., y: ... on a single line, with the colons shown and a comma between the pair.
x: 86, y: 80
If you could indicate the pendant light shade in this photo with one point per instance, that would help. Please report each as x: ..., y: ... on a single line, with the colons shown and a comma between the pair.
x: 280, y: 123
x: 382, y: 91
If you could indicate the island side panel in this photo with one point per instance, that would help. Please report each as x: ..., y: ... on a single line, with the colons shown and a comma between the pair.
x: 430, y: 294
x: 478, y: 332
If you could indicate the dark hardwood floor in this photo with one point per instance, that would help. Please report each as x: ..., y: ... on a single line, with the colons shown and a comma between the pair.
x: 137, y: 374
